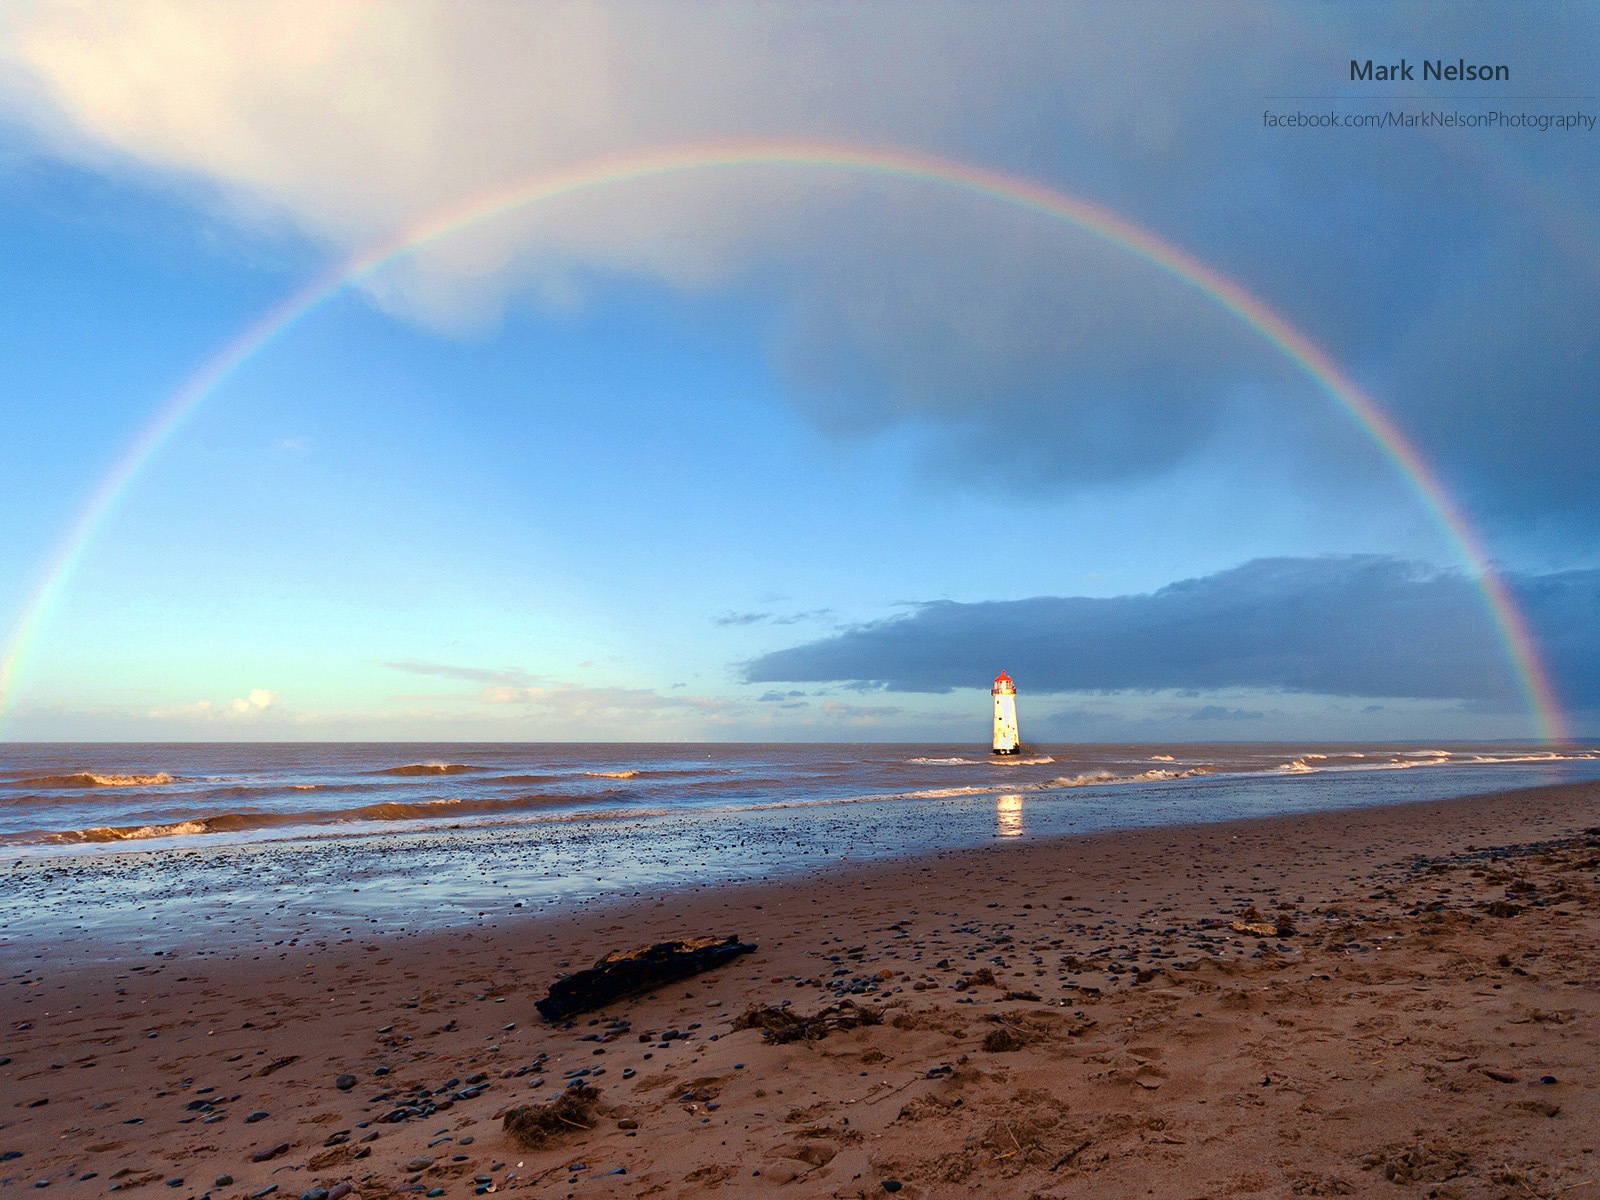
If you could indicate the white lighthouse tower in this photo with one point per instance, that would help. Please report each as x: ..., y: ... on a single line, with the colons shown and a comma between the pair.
x: 1004, y: 692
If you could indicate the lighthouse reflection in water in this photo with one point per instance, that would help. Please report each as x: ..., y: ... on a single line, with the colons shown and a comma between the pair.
x: 1008, y: 816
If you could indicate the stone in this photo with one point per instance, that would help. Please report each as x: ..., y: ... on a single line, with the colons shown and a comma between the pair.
x: 345, y: 1082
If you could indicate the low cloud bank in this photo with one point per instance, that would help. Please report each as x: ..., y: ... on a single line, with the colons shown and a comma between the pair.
x: 1355, y: 625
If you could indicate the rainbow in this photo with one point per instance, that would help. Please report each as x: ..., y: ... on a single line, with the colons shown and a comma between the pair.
x: 884, y: 162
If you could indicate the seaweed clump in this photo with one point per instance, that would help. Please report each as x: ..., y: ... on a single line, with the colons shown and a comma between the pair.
x: 535, y: 1125
x: 779, y: 1025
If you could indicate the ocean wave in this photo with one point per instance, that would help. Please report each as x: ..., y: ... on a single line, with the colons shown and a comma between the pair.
x: 238, y: 822
x: 659, y: 772
x: 1407, y: 762
x: 999, y: 760
x: 431, y: 768
x: 83, y: 779
x: 1060, y: 783
x: 1549, y: 756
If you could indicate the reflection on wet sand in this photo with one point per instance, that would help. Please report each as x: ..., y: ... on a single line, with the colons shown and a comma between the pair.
x: 1008, y: 816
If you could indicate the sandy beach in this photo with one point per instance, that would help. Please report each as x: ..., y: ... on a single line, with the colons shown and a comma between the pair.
x: 1386, y: 1001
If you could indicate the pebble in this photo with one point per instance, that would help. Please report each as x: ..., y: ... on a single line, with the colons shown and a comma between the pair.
x: 891, y: 1185
x: 345, y: 1082
x: 316, y: 1193
x: 256, y: 1116
x: 270, y: 1152
x: 420, y: 1163
x: 223, y: 1181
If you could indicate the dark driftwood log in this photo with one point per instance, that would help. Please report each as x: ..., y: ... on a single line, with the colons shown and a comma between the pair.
x: 625, y: 972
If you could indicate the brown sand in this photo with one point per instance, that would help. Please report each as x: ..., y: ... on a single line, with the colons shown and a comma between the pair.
x: 1429, y: 1028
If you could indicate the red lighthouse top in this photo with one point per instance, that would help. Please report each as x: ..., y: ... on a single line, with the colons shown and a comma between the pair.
x: 1003, y: 683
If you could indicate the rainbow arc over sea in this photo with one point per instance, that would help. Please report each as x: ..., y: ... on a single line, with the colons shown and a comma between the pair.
x: 632, y: 167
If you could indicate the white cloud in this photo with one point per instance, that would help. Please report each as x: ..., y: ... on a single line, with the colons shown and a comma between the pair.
x: 898, y: 303
x: 258, y: 701
x: 354, y: 120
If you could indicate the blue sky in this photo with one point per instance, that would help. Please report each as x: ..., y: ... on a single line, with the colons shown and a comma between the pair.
x: 772, y: 455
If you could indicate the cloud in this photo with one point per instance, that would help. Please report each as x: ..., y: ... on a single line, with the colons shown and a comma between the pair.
x: 1357, y: 625
x: 498, y: 676
x: 858, y: 714
x: 598, y: 706
x: 768, y: 618
x: 258, y: 701
x: 1218, y: 712
x: 743, y: 618
x: 1452, y: 271
x: 515, y: 687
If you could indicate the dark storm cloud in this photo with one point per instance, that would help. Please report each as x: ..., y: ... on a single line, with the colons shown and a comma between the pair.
x: 1455, y: 273
x: 1359, y: 625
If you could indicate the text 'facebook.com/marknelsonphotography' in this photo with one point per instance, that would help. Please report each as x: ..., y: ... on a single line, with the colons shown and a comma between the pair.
x: 1575, y: 121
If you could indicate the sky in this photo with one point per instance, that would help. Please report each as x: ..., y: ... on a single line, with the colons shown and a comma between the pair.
x: 781, y: 450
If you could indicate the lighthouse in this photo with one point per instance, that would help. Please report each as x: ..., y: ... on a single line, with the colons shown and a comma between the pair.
x: 1004, y: 692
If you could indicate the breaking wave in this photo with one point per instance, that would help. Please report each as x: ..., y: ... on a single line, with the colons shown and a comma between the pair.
x: 430, y: 769
x: 999, y: 760
x: 1408, y: 759
x: 83, y: 779
x: 236, y: 822
x: 1060, y: 783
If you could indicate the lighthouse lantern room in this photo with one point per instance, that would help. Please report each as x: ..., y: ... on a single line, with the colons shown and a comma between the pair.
x: 1004, y: 692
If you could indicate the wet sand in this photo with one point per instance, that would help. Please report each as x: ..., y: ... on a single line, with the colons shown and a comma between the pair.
x: 1412, y: 1011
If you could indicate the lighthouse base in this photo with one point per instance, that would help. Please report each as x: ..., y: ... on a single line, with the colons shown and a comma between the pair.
x: 1013, y: 750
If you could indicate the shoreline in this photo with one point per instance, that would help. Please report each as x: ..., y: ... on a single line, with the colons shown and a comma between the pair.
x: 1383, y: 948
x: 216, y: 824
x: 234, y: 896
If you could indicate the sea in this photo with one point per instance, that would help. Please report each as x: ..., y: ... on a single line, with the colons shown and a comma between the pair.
x: 118, y: 846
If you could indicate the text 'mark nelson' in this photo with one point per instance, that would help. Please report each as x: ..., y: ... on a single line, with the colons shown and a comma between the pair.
x: 1459, y: 71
